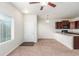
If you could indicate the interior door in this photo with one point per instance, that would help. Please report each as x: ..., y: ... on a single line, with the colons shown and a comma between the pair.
x: 30, y: 28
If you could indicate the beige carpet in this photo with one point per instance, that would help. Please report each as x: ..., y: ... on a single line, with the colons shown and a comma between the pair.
x: 44, y: 48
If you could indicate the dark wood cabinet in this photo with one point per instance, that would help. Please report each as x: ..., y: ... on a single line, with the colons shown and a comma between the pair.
x: 59, y: 25
x: 77, y: 24
x: 65, y: 22
x: 67, y: 25
x: 76, y: 42
x: 56, y: 25
x: 63, y: 25
x: 72, y: 25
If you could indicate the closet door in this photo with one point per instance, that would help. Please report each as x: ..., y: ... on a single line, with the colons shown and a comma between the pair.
x: 30, y: 28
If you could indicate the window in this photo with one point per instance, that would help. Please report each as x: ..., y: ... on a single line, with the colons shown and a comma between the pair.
x: 5, y: 28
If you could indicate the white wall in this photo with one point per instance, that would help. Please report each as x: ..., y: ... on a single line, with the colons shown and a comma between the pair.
x: 18, y: 28
x: 30, y: 28
x: 47, y: 30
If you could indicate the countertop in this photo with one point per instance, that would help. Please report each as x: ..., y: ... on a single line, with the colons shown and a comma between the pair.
x: 68, y: 34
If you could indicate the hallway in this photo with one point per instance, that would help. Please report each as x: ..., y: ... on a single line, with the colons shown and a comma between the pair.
x: 44, y: 47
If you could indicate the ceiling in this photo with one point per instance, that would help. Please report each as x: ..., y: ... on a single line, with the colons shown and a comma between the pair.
x: 62, y: 9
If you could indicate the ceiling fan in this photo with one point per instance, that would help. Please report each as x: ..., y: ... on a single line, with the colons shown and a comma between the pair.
x: 42, y: 7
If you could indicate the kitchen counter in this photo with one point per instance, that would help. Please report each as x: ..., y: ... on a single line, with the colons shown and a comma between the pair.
x: 69, y: 40
x: 69, y: 34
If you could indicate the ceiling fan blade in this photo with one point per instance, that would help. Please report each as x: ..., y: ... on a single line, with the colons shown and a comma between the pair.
x: 41, y: 8
x: 33, y: 2
x: 51, y: 4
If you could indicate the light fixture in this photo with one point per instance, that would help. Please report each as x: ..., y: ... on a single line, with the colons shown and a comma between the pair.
x: 26, y: 11
x: 47, y: 20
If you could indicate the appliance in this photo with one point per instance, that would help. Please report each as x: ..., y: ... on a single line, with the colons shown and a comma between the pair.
x: 65, y: 31
x: 65, y: 26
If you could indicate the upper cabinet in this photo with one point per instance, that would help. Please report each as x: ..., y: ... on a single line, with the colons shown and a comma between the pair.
x: 72, y: 25
x: 59, y: 25
x: 67, y: 25
x: 63, y: 25
x: 77, y: 24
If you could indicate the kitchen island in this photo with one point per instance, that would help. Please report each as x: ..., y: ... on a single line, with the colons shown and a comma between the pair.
x: 70, y: 40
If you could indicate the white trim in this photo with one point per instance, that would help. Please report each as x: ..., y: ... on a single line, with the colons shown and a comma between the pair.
x: 11, y: 50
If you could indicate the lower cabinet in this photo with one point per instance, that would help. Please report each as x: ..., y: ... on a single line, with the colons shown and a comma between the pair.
x: 76, y: 42
x: 69, y: 40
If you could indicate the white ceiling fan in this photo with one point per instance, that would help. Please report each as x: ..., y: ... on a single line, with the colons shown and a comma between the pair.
x: 44, y: 3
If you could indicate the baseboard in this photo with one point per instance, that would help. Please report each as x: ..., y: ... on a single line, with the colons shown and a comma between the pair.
x: 12, y: 50
x: 45, y: 38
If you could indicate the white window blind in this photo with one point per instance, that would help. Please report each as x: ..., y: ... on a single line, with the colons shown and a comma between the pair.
x: 5, y: 28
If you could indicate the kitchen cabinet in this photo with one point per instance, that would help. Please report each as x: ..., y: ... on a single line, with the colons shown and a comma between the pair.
x: 76, y: 42
x: 69, y: 40
x: 72, y: 25
x: 58, y: 25
x: 77, y: 24
x: 67, y: 24
x: 63, y: 25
